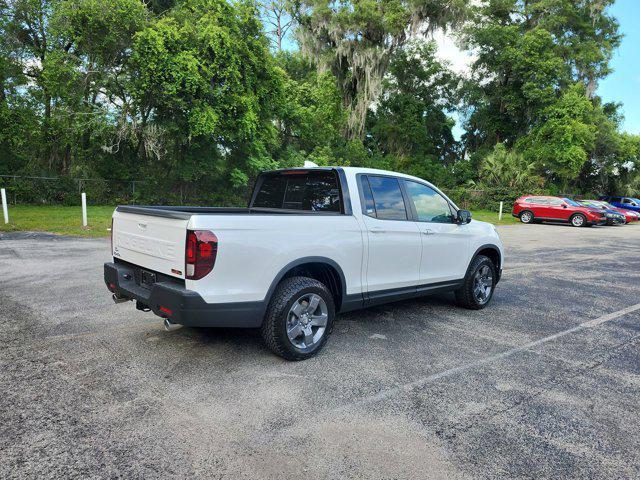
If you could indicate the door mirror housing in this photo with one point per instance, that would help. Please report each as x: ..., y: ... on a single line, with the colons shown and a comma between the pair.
x: 564, y: 205
x: 463, y: 217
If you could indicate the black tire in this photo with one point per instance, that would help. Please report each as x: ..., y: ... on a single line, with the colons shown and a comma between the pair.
x: 578, y: 220
x: 274, y: 326
x: 526, y: 216
x: 465, y: 296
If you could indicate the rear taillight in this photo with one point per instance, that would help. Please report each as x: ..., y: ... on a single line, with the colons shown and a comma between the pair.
x: 200, y: 253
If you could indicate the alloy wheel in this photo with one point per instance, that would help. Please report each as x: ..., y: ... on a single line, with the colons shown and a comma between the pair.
x: 482, y: 284
x: 307, y: 321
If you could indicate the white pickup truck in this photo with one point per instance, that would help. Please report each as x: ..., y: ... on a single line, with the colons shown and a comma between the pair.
x: 313, y: 242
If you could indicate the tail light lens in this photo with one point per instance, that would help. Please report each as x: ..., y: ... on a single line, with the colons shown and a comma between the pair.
x: 200, y: 253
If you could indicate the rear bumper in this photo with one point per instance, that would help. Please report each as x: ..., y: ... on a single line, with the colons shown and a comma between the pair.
x: 186, y: 307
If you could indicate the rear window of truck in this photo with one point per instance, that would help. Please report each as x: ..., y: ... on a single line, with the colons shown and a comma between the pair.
x: 315, y: 191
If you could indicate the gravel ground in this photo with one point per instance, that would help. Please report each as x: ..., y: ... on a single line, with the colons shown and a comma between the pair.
x: 545, y: 382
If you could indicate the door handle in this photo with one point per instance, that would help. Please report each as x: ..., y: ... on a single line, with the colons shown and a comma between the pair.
x: 428, y: 232
x: 377, y: 230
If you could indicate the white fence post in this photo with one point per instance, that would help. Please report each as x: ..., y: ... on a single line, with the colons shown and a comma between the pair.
x: 4, y: 206
x: 84, y: 209
x: 500, y: 214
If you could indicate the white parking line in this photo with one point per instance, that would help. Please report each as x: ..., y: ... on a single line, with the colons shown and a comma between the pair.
x: 390, y: 392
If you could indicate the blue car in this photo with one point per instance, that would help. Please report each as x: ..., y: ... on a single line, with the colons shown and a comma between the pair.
x: 629, y: 203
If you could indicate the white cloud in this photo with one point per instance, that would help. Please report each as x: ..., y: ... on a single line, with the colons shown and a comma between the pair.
x: 459, y: 60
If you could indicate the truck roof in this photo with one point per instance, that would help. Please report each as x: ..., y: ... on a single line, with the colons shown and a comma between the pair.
x: 354, y: 171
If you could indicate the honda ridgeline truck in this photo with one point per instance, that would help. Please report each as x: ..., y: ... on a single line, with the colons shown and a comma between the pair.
x: 313, y: 242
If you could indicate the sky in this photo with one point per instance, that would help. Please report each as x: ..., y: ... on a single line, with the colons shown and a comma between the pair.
x: 623, y: 85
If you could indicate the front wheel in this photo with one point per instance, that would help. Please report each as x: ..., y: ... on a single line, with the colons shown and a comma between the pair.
x: 299, y: 318
x: 479, y: 284
x: 578, y: 220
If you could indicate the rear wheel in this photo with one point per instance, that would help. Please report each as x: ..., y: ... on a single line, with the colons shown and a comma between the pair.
x: 526, y: 217
x: 299, y: 318
x: 578, y: 220
x: 479, y: 284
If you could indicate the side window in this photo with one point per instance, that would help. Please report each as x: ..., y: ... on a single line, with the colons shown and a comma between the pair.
x: 555, y: 202
x: 616, y: 199
x: 430, y: 205
x: 369, y: 206
x: 387, y: 198
x: 626, y: 200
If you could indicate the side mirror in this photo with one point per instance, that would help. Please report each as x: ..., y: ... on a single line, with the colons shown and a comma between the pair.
x: 564, y: 205
x: 463, y: 217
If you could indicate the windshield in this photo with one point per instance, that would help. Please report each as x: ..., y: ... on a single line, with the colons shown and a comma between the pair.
x: 572, y: 202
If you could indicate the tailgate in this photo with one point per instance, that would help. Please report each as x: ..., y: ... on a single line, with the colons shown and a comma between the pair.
x: 152, y: 242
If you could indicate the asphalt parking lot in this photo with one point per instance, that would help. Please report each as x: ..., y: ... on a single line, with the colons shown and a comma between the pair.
x: 545, y: 382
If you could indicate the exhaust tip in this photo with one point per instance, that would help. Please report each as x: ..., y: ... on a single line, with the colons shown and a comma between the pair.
x: 118, y: 299
x: 169, y: 325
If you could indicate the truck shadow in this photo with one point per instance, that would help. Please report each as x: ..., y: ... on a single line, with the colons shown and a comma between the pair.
x: 250, y: 338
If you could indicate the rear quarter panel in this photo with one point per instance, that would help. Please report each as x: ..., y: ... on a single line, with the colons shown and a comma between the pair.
x: 253, y: 249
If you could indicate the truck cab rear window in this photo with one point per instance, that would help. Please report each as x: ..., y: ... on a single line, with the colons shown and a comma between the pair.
x: 312, y: 191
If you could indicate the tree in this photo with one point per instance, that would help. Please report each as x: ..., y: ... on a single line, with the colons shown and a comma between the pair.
x: 410, y: 121
x: 278, y: 20
x: 356, y: 40
x: 204, y: 77
x: 68, y: 50
x: 560, y: 144
x: 509, y: 169
x: 528, y: 53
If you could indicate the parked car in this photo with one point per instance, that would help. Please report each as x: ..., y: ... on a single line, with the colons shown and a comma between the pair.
x: 630, y: 215
x: 313, y: 242
x: 629, y: 203
x: 612, y: 215
x: 532, y: 208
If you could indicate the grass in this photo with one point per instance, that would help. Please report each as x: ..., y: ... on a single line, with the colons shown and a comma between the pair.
x: 58, y: 219
x: 492, y: 217
x: 68, y: 220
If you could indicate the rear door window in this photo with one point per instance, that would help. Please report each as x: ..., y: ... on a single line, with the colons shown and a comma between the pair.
x: 315, y: 191
x: 387, y: 198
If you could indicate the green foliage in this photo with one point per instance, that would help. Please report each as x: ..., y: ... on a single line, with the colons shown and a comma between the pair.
x: 507, y: 168
x: 187, y: 96
x: 205, y: 75
x: 356, y: 40
x: 559, y: 146
x: 529, y: 53
x: 410, y: 125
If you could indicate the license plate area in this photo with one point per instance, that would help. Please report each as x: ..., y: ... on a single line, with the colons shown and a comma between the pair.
x: 147, y: 279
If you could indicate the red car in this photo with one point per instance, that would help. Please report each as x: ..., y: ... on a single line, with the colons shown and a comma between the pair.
x: 630, y: 215
x: 533, y: 208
